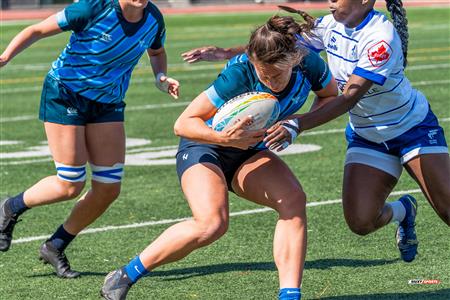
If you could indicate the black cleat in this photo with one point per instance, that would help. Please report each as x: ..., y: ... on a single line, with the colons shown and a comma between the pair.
x: 116, y: 285
x: 49, y: 255
x: 7, y: 223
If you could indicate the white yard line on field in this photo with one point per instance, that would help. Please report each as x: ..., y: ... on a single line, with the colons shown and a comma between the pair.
x: 171, y: 221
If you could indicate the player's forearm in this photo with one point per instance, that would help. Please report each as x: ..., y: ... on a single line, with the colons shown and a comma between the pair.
x: 321, y: 114
x: 158, y: 62
x: 230, y: 52
x: 195, y: 129
x: 20, y: 42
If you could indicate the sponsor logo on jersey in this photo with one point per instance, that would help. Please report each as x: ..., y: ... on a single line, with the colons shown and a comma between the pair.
x: 379, y: 54
x: 106, y: 37
x: 332, y: 44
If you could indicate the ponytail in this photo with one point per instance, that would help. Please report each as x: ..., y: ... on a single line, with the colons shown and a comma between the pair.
x: 310, y: 20
x: 398, y: 14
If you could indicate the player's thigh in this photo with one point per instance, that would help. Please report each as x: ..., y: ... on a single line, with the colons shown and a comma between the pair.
x: 432, y: 173
x: 67, y: 143
x: 365, y: 190
x: 106, y: 143
x: 205, y: 188
x: 265, y: 179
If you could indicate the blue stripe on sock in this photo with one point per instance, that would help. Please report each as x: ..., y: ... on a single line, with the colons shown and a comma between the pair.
x: 135, y: 269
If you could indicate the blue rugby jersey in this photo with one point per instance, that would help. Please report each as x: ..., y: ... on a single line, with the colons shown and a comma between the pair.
x: 104, y: 48
x: 239, y: 76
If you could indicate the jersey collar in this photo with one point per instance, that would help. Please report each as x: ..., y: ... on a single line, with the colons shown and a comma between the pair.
x: 366, y: 20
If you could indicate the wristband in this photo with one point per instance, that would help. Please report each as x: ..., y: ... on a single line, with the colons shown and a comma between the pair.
x: 163, y: 86
x: 292, y: 126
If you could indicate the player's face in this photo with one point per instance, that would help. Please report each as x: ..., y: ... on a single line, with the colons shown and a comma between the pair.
x: 274, y: 78
x: 350, y: 12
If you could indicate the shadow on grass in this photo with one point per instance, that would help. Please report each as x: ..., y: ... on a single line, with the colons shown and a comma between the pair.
x: 179, y: 274
x: 322, y: 264
x: 443, y: 294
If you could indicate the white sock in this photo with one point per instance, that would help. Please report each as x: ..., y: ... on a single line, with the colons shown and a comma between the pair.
x: 398, y: 211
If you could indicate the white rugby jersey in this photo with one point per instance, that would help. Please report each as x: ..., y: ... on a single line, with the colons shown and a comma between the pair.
x: 371, y: 50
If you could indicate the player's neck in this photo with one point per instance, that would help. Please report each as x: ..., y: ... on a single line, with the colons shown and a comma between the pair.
x: 356, y: 21
x: 131, y: 13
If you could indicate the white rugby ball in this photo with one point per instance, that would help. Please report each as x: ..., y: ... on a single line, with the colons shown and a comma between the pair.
x: 263, y: 107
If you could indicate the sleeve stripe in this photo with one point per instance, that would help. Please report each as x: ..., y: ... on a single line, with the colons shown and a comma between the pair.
x: 61, y: 19
x: 377, y: 78
x: 215, y: 99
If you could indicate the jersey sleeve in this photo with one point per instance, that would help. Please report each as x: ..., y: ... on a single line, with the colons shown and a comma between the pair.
x: 316, y: 70
x: 78, y: 15
x: 229, y: 84
x: 314, y: 40
x: 160, y: 37
x: 379, y: 57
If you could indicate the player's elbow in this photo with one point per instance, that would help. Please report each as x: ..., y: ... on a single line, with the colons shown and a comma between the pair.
x: 178, y: 127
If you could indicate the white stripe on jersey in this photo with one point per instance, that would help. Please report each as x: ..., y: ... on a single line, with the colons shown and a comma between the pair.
x: 373, y: 51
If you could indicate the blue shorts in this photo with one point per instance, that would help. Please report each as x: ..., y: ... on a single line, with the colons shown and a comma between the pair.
x: 62, y: 106
x: 228, y: 159
x: 425, y: 138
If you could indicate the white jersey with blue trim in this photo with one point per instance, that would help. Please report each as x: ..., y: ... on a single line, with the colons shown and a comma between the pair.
x: 373, y: 51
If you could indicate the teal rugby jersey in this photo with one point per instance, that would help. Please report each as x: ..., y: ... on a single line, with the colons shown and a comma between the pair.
x: 239, y: 76
x: 104, y: 48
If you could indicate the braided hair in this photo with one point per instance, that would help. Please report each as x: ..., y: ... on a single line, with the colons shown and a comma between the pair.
x: 398, y: 14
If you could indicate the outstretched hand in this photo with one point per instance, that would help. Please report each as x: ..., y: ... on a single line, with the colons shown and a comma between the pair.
x: 3, y: 61
x: 207, y: 53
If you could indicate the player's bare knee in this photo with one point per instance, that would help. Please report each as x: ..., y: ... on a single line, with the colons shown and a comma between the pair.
x: 107, y: 192
x: 71, y: 180
x: 292, y: 204
x: 212, y: 229
x: 69, y: 190
x: 360, y: 226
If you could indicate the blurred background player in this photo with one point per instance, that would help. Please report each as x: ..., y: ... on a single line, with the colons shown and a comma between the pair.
x: 83, y: 110
x: 391, y: 124
x: 211, y: 163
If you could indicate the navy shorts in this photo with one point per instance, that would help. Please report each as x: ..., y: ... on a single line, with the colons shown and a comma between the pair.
x: 63, y: 106
x: 427, y: 137
x: 228, y: 159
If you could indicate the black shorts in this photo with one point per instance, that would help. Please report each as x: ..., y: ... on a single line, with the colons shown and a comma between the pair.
x: 228, y: 159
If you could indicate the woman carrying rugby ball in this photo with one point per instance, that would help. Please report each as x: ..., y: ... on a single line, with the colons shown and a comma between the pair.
x: 391, y: 124
x: 211, y: 163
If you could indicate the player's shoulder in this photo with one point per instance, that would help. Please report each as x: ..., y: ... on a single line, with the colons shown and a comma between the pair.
x: 154, y: 11
x: 325, y: 20
x: 379, y: 27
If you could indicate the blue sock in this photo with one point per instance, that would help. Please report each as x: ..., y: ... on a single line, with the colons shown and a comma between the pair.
x: 17, y: 205
x: 135, y: 269
x: 290, y: 294
x: 61, y: 238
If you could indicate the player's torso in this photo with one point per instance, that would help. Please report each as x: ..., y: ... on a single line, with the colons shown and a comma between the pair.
x: 291, y: 99
x: 383, y: 105
x: 99, y: 60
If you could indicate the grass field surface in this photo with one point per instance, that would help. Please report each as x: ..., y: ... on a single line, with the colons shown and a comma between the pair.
x: 340, y: 264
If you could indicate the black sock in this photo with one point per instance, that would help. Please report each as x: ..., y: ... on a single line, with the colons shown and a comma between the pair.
x: 16, y: 205
x: 61, y: 239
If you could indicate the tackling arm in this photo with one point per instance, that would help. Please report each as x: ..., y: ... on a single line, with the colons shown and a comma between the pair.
x: 211, y: 53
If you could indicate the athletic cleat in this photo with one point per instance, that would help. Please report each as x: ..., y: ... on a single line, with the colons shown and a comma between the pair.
x: 49, y: 255
x: 116, y: 285
x: 7, y: 223
x: 406, y: 233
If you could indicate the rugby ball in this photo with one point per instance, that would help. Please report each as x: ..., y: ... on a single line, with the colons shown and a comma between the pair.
x: 263, y: 107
